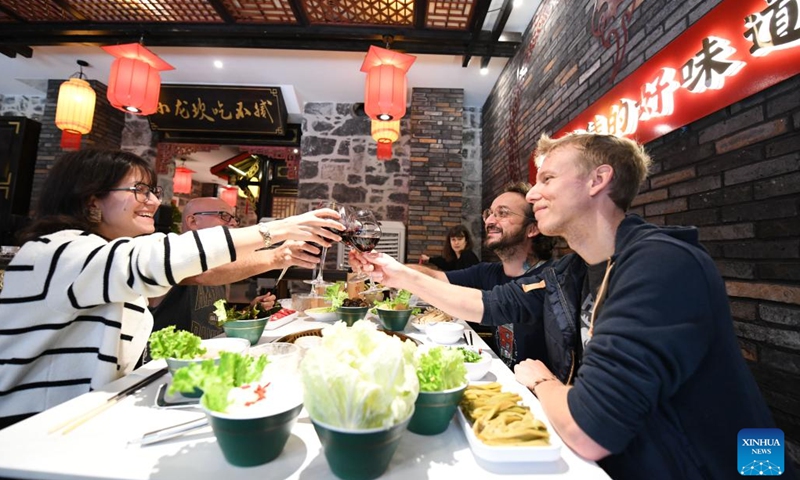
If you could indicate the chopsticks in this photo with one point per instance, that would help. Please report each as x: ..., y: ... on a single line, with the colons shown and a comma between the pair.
x: 468, y: 340
x: 75, y: 422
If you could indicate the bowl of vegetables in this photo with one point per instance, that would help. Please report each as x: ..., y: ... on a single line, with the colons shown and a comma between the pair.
x: 442, y: 381
x: 250, y: 413
x: 359, y: 389
x: 476, y: 361
x: 247, y: 323
x: 180, y: 348
x: 394, y: 313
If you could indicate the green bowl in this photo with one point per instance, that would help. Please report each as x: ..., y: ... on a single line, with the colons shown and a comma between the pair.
x: 359, y: 454
x: 247, y: 329
x: 433, y: 410
x: 247, y: 442
x: 394, y: 320
x: 351, y: 315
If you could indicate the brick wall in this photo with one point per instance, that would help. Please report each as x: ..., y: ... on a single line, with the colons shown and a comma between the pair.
x: 734, y: 173
x: 435, y: 184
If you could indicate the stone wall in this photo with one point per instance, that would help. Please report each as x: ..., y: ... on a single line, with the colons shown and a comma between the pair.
x: 733, y: 173
x: 472, y: 166
x: 30, y: 106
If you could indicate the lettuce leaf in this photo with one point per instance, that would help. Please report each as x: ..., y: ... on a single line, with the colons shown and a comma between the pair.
x: 336, y: 294
x: 217, y: 379
x: 180, y: 344
x: 441, y: 368
x: 359, y: 378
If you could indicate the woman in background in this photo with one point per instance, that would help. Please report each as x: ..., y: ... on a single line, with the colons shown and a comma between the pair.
x: 73, y: 313
x: 457, y: 252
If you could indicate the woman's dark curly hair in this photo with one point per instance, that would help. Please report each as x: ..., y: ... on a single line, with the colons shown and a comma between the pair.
x: 71, y: 183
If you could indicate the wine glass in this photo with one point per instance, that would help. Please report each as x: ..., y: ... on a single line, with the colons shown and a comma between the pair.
x: 364, y: 233
x: 316, y: 280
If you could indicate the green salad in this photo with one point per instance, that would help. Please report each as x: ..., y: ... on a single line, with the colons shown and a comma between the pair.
x: 216, y: 380
x: 399, y: 302
x: 171, y: 343
x: 470, y: 356
x: 336, y: 294
x: 441, y: 368
x: 228, y: 313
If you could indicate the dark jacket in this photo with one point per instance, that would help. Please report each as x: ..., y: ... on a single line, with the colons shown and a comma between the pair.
x: 549, y: 311
x: 662, y: 384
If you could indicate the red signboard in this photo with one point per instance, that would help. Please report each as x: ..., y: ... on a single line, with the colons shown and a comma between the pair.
x: 737, y: 49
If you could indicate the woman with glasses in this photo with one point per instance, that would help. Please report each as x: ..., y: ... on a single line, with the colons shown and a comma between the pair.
x: 457, y: 252
x: 73, y: 313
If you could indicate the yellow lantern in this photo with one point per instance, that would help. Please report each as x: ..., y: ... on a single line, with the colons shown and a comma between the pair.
x: 75, y: 107
x: 385, y: 132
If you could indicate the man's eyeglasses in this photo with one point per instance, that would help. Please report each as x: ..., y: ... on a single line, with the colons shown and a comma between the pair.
x: 141, y: 191
x: 501, y: 212
x: 224, y: 216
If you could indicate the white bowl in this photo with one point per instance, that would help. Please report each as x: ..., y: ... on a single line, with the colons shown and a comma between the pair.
x: 283, y: 357
x: 446, y: 333
x: 479, y: 369
x: 213, y: 348
x: 321, y: 315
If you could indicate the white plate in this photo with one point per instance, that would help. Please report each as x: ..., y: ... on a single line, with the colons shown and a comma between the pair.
x: 320, y: 315
x: 273, y: 324
x: 549, y: 453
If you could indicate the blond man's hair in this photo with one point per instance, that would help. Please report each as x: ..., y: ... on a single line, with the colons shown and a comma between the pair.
x: 628, y: 159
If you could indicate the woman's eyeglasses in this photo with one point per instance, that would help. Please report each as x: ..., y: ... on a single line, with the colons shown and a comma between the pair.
x: 224, y: 216
x: 141, y: 191
x: 501, y: 212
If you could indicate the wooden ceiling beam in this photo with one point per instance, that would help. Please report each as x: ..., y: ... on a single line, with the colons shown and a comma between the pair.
x: 223, y: 13
x: 299, y: 13
x: 13, y: 51
x: 62, y: 4
x: 420, y: 13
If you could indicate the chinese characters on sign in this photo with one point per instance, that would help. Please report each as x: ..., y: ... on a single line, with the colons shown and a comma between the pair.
x: 197, y: 108
x: 737, y: 49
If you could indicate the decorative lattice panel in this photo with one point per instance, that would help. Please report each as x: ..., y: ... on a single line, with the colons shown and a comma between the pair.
x: 37, y: 10
x: 183, y: 11
x: 283, y: 207
x: 450, y: 14
x: 361, y: 12
x: 5, y: 18
x: 260, y: 11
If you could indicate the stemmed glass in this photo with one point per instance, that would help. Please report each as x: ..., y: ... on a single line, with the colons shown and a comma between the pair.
x: 317, y: 280
x: 363, y: 233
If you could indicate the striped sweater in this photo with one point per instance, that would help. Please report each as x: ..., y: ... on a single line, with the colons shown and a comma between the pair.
x: 73, y: 312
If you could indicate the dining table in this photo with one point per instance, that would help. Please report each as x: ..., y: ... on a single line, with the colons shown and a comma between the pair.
x: 108, y: 445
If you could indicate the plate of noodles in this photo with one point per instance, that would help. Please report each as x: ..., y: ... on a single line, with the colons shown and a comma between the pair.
x: 510, y: 434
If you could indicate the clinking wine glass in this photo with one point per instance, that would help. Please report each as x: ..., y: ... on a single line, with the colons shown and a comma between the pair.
x: 363, y: 233
x: 317, y: 280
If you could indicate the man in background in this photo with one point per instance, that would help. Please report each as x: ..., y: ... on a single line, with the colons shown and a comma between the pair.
x: 190, y: 304
x: 512, y: 234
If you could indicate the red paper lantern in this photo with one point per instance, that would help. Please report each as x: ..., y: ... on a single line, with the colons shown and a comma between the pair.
x: 384, y: 151
x: 182, y: 181
x: 385, y: 132
x: 385, y: 92
x: 134, y: 83
x: 229, y: 195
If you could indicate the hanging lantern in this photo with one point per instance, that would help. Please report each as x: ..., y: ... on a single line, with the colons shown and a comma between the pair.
x: 385, y: 92
x: 182, y: 181
x: 75, y: 109
x: 385, y: 132
x: 384, y: 151
x: 229, y: 195
x: 134, y: 83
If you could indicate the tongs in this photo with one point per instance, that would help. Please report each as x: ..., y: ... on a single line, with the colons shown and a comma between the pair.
x: 162, y: 434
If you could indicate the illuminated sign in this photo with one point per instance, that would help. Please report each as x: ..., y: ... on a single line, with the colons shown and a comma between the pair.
x: 739, y: 48
x: 203, y: 108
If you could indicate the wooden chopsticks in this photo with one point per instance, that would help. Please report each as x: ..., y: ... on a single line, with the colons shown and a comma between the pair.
x: 75, y: 422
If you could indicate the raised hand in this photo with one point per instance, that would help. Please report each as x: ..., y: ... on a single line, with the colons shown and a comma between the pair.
x: 294, y: 253
x: 308, y: 227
